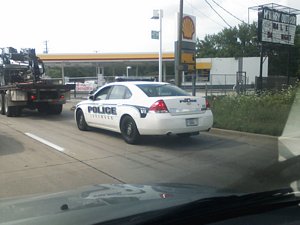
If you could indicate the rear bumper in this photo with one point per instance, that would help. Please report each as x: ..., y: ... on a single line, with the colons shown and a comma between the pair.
x: 51, y: 101
x: 164, y: 123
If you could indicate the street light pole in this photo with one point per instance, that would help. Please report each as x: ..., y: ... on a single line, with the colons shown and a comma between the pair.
x: 160, y: 46
x: 127, y: 70
x: 158, y: 14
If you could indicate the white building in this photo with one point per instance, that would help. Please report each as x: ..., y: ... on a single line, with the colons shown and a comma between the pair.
x: 224, y: 71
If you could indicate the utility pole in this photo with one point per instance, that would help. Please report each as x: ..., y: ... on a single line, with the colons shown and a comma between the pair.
x: 46, y: 47
x: 261, y: 64
x: 178, y: 69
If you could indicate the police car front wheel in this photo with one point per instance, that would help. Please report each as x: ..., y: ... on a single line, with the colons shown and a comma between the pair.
x: 129, y: 130
x: 80, y: 120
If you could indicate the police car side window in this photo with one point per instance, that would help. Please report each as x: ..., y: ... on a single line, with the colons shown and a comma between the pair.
x: 119, y: 92
x: 102, y: 94
x: 127, y: 93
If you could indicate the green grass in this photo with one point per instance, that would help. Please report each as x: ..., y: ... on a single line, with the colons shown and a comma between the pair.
x: 266, y: 113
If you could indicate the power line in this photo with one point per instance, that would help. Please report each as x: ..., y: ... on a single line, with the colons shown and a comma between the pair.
x: 228, y: 12
x: 193, y: 7
x: 218, y: 13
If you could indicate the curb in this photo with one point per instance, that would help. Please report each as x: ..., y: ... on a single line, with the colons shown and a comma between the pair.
x: 240, y: 134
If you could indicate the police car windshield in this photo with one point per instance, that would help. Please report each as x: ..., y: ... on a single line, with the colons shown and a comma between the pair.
x: 160, y: 90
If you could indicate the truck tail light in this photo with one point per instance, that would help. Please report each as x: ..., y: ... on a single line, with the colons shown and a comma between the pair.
x: 159, y: 107
x: 33, y: 97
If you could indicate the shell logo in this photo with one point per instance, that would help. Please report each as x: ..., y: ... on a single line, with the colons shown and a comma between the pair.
x: 188, y: 28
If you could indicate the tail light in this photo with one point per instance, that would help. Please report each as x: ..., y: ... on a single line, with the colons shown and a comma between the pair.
x: 62, y: 97
x: 33, y: 97
x: 207, y: 104
x: 159, y: 107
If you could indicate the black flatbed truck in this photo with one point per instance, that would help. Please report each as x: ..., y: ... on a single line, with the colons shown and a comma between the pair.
x: 22, y: 85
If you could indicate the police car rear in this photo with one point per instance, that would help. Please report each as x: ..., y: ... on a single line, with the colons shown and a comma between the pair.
x: 174, y: 111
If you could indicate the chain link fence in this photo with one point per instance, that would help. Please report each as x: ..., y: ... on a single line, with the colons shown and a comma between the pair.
x: 214, y: 84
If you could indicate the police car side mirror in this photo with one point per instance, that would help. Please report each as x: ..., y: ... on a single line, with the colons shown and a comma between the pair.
x: 91, y: 97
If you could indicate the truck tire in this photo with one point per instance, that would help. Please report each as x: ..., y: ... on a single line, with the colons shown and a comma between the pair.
x: 43, y: 108
x: 2, y: 111
x: 55, y: 109
x: 8, y: 109
x: 17, y: 110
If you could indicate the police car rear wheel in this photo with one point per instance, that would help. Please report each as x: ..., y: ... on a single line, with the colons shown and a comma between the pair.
x: 80, y: 120
x: 129, y: 130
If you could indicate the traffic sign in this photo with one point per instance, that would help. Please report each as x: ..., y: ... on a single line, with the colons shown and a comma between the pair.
x: 155, y: 34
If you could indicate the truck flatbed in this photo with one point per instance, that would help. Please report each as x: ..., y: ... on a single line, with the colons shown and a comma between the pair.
x: 38, y: 85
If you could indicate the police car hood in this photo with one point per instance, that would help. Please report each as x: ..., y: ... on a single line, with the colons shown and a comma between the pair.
x: 83, y: 102
x: 98, y: 203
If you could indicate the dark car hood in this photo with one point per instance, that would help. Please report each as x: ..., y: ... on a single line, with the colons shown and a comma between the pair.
x: 91, y: 204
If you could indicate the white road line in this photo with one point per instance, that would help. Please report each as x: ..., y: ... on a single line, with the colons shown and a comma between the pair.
x: 58, y: 148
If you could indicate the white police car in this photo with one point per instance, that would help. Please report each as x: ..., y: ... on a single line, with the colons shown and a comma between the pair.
x: 144, y: 108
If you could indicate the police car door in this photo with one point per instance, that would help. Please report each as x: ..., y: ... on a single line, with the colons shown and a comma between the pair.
x: 116, y: 99
x: 96, y: 112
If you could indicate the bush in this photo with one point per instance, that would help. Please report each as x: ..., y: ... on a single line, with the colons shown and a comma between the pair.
x: 266, y: 113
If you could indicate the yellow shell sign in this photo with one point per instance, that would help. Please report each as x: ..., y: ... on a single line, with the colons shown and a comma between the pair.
x: 188, y: 28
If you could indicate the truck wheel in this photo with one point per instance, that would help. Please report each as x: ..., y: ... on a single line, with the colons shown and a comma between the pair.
x: 80, y: 120
x: 17, y: 111
x: 8, y: 109
x: 42, y: 108
x: 129, y: 130
x: 55, y: 109
x: 2, y: 111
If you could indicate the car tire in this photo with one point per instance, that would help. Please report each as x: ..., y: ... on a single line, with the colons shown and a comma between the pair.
x: 80, y: 120
x: 129, y: 130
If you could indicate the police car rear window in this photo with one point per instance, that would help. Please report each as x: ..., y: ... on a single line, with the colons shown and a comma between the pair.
x: 161, y: 90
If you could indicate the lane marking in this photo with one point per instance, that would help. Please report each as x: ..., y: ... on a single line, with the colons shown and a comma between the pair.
x: 58, y: 148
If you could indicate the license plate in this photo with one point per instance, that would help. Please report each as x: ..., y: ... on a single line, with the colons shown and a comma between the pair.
x: 191, y: 122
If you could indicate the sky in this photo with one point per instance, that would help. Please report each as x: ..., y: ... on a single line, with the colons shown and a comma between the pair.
x: 113, y: 26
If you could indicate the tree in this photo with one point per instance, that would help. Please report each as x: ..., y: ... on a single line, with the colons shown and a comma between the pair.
x: 230, y: 42
x: 242, y: 41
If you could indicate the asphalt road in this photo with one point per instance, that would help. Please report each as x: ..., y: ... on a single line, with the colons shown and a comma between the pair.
x: 44, y: 154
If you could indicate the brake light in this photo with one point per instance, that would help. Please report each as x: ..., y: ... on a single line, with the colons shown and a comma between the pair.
x: 33, y: 97
x: 159, y: 107
x: 62, y: 97
x: 207, y: 104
